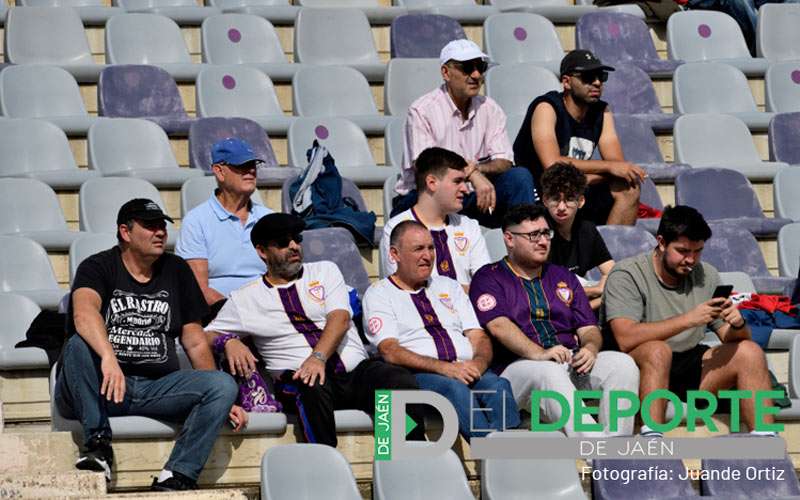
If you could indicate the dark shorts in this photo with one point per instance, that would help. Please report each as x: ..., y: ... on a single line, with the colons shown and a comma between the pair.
x: 686, y: 369
x: 598, y: 203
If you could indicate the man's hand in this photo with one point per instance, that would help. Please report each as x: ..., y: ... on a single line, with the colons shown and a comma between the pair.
x: 583, y: 360
x: 239, y: 418
x: 557, y: 353
x: 240, y: 360
x: 466, y: 373
x: 632, y: 174
x: 706, y: 312
x: 731, y: 315
x: 113, y: 386
x: 484, y: 191
x: 311, y: 369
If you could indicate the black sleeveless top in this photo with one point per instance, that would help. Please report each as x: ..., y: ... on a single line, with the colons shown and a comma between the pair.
x: 575, y: 139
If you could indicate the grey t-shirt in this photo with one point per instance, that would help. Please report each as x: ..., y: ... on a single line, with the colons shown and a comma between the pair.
x: 634, y: 291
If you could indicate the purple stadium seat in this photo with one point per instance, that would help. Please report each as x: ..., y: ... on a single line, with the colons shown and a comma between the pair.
x: 337, y: 245
x: 784, y: 138
x: 630, y: 91
x: 639, y: 145
x: 206, y: 131
x: 422, y: 35
x: 732, y: 248
x: 621, y: 38
x: 649, y: 196
x: 642, y: 489
x: 724, y: 195
x: 624, y: 242
x: 140, y: 91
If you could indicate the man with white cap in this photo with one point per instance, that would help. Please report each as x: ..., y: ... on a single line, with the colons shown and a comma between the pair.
x: 455, y: 117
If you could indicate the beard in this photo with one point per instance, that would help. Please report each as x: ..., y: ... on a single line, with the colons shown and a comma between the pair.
x: 286, y: 269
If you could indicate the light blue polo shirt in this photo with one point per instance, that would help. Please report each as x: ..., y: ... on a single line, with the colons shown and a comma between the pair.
x: 210, y: 232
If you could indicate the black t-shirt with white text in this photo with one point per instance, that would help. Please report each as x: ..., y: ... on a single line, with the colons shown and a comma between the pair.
x: 583, y: 252
x: 142, y: 319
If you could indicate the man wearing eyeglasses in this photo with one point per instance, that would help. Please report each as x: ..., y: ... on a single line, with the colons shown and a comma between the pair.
x: 215, y: 236
x: 545, y: 333
x: 455, y: 117
x: 298, y: 316
x: 568, y: 126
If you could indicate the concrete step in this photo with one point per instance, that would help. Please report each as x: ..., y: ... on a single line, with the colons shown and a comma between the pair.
x: 53, y: 485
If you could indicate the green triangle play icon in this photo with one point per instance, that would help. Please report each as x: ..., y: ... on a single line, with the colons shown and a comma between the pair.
x: 410, y: 424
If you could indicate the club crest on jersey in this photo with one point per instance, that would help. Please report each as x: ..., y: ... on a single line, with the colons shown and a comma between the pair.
x: 486, y: 302
x: 446, y: 301
x: 564, y: 292
x: 374, y: 325
x: 316, y: 292
x: 444, y: 266
x: 461, y: 242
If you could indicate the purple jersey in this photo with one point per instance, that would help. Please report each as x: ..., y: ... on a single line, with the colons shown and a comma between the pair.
x: 548, y: 309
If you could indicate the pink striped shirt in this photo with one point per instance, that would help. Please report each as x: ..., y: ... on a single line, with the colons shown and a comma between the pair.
x: 434, y: 120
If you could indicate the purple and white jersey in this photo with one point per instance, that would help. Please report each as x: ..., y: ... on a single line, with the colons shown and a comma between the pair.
x: 548, y: 308
x: 430, y: 321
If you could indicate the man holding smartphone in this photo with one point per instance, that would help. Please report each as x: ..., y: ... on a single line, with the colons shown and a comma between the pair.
x: 657, y: 306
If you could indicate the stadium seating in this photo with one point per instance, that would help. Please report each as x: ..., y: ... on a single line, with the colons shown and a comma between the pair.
x: 704, y: 35
x: 407, y: 80
x: 242, y: 91
x: 422, y: 35
x: 275, y: 11
x: 337, y: 245
x: 624, y: 242
x: 777, y: 38
x: 784, y: 138
x: 376, y: 13
x: 39, y: 149
x: 640, y: 146
x: 711, y: 87
x: 149, y: 39
x: 18, y: 312
x: 420, y: 478
x: 389, y: 194
x: 782, y: 87
x: 128, y: 147
x: 30, y: 208
x: 785, y: 187
x: 336, y: 91
x: 26, y: 270
x: 86, y: 245
x: 789, y: 250
x: 514, y: 124
x: 638, y: 486
x: 495, y: 244
x: 91, y: 12
x: 733, y: 248
x: 349, y: 190
x: 346, y: 143
x: 206, y: 131
x: 724, y: 195
x: 465, y: 11
x: 522, y: 37
x: 743, y: 487
x: 65, y: 45
x: 558, y: 11
x: 198, y: 190
x: 337, y: 36
x: 245, y: 39
x: 141, y: 91
x: 506, y: 479
x: 46, y: 92
x: 515, y: 86
x: 621, y: 38
x: 306, y: 471
x: 100, y: 199
x: 630, y: 91
x: 650, y: 197
x: 185, y: 12
x: 714, y: 140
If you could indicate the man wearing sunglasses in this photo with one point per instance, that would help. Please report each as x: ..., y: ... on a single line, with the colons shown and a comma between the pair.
x: 298, y: 316
x: 455, y: 117
x: 545, y: 333
x: 215, y: 236
x: 567, y: 126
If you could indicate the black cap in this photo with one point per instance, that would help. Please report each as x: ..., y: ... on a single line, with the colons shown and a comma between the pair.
x: 273, y: 226
x: 580, y: 61
x: 141, y: 209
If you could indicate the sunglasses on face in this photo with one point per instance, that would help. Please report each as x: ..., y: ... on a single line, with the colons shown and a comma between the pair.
x: 283, y: 241
x: 243, y: 168
x: 589, y: 78
x: 469, y: 67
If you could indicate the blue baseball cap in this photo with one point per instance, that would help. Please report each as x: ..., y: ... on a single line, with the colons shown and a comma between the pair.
x: 232, y: 151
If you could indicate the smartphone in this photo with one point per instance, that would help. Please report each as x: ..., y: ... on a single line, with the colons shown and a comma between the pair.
x: 722, y: 291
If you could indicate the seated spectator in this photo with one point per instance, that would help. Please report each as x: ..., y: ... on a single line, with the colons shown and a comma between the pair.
x: 426, y: 324
x: 577, y: 244
x: 298, y: 316
x: 455, y: 117
x: 567, y: 127
x: 658, y: 305
x: 441, y: 184
x: 546, y: 335
x: 215, y: 236
x: 128, y: 305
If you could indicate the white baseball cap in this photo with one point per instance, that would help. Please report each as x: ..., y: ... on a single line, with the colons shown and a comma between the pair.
x: 461, y: 50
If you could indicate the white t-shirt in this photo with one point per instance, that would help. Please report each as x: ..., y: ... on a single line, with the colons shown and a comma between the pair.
x: 464, y: 239
x: 257, y: 310
x: 390, y: 313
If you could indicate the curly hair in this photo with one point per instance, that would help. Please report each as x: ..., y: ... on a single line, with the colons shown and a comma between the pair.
x: 563, y: 178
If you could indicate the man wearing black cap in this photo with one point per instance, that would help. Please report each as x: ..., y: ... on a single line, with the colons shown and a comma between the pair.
x: 298, y: 315
x: 567, y: 127
x: 128, y: 305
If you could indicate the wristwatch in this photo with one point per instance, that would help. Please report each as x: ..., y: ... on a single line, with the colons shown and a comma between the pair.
x: 319, y: 356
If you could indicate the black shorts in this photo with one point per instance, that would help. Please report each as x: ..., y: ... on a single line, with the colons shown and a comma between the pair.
x: 598, y: 203
x: 686, y: 369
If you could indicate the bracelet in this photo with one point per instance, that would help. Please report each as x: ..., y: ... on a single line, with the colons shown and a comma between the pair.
x: 221, y: 340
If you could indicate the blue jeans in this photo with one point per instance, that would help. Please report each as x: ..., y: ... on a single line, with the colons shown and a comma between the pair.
x: 495, y: 410
x: 200, y: 400
x: 742, y: 11
x: 513, y: 187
